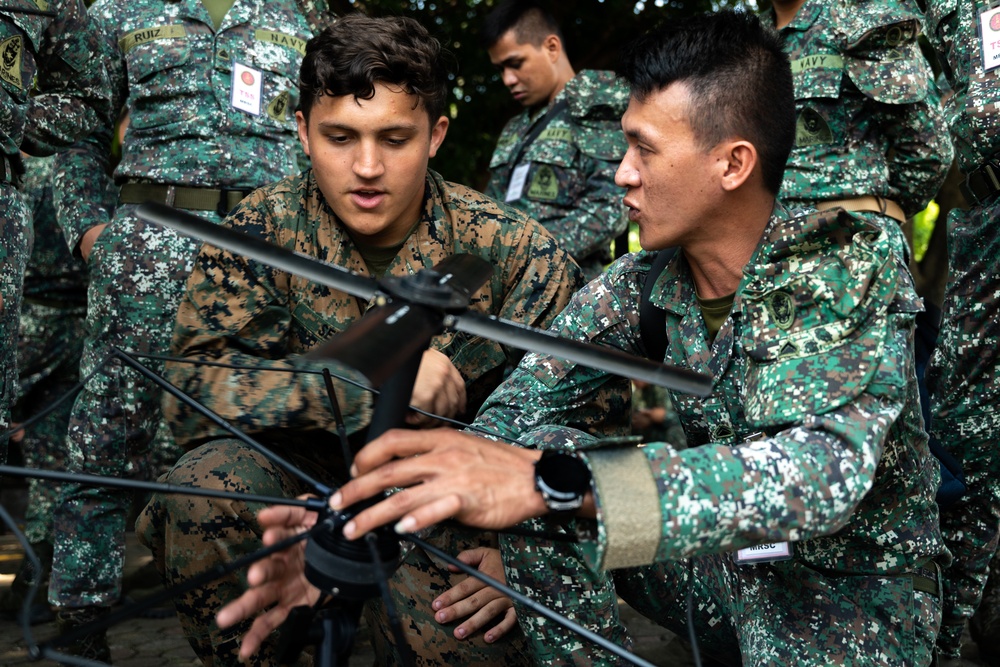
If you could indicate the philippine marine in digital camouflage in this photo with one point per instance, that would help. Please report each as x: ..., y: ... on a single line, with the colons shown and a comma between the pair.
x: 373, y: 95
x: 53, y: 87
x: 810, y: 447
x: 556, y: 160
x: 964, y: 375
x: 209, y: 88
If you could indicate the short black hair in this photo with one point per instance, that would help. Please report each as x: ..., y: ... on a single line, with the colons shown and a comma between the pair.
x: 738, y: 75
x: 530, y: 21
x: 356, y: 52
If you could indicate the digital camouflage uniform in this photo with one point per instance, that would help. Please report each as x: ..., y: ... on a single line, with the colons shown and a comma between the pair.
x: 868, y: 115
x: 964, y: 377
x: 173, y: 71
x: 49, y: 346
x: 58, y: 55
x: 242, y: 312
x: 570, y: 187
x: 812, y: 434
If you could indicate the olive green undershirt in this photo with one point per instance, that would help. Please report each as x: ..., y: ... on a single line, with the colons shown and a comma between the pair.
x: 217, y: 10
x: 715, y: 311
x: 378, y: 259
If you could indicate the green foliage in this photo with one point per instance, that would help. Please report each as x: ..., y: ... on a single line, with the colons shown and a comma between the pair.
x: 923, y: 227
x: 594, y: 29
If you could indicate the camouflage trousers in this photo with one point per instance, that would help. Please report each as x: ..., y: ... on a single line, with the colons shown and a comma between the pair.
x: 783, y: 613
x: 15, y: 246
x: 49, y: 347
x: 137, y: 274
x: 964, y: 381
x: 189, y: 535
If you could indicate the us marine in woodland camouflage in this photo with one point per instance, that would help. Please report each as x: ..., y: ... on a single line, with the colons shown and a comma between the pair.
x: 964, y: 376
x: 569, y: 183
x: 59, y: 56
x: 869, y: 132
x: 370, y: 205
x: 195, y: 142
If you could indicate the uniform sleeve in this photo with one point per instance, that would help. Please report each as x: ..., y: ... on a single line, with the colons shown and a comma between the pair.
x: 598, y: 215
x: 82, y: 181
x: 544, y: 391
x: 235, y: 312
x: 73, y: 95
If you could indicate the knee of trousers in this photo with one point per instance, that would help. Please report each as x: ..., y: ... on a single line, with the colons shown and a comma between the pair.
x: 177, y: 525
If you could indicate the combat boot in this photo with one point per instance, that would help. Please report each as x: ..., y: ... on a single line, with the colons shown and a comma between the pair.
x: 94, y: 645
x: 984, y: 626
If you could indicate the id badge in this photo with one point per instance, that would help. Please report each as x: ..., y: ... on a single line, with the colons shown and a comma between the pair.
x: 517, y: 179
x: 989, y: 36
x: 764, y: 553
x: 247, y: 86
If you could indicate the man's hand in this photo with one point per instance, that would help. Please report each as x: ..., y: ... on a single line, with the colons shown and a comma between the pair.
x: 439, y: 389
x: 449, y: 474
x: 472, y: 598
x: 644, y: 419
x: 88, y: 240
x: 277, y: 580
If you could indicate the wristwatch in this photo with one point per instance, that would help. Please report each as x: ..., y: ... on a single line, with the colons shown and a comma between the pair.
x: 563, y: 479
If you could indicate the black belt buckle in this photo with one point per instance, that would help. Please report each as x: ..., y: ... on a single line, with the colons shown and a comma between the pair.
x: 983, y: 183
x: 222, y: 208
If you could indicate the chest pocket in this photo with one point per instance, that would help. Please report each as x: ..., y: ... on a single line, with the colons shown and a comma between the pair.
x: 554, y: 160
x: 154, y: 71
x: 280, y: 66
x: 817, y: 80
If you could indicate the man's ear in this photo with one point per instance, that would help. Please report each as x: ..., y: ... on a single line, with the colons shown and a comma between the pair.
x: 438, y: 132
x: 553, y: 47
x: 303, y: 124
x: 737, y: 162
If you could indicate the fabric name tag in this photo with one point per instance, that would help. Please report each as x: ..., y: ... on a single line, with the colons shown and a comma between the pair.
x: 517, y: 179
x: 764, y: 553
x: 247, y: 84
x: 989, y: 36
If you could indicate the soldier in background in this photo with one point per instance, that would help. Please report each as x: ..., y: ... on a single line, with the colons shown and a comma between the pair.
x: 53, y: 310
x: 964, y: 375
x: 869, y: 133
x: 556, y: 160
x: 58, y: 53
x: 210, y: 87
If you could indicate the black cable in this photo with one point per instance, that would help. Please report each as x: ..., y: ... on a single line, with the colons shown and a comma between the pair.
x: 71, y: 392
x: 360, y: 385
x: 312, y: 504
x: 692, y: 635
x: 321, y: 488
x: 338, y: 420
x: 525, y: 601
x: 390, y: 607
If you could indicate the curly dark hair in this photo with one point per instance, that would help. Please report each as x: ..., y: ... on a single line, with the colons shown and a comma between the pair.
x: 356, y: 52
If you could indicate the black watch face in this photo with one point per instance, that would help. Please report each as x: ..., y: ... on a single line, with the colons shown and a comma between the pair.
x: 563, y: 473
